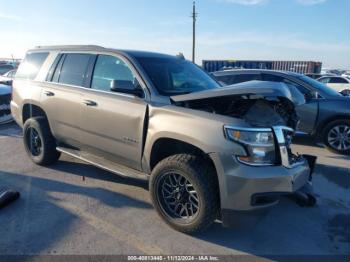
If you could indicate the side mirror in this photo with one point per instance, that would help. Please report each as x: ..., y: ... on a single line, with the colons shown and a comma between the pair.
x: 126, y: 87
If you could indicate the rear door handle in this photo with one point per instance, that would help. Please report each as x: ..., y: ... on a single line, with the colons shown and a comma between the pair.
x: 89, y: 103
x: 48, y: 93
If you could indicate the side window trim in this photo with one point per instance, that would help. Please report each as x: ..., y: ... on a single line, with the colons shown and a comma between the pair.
x: 90, y: 71
x: 59, y: 69
x: 53, y: 68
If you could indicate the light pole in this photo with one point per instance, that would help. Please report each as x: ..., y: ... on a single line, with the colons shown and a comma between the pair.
x: 194, y: 17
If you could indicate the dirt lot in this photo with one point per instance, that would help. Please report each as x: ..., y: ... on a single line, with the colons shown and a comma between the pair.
x: 59, y: 212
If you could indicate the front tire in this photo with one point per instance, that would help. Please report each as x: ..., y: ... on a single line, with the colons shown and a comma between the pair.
x: 336, y: 136
x: 38, y: 141
x: 185, y: 193
x: 345, y: 92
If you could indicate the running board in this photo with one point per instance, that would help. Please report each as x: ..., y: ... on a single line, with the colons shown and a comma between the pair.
x: 104, y: 163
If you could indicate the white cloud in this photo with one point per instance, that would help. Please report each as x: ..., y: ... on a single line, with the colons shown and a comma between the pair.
x: 246, y: 2
x: 311, y: 2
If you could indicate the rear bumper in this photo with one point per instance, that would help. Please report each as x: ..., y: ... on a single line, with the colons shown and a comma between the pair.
x: 5, y: 112
x: 16, y: 114
x: 250, y: 190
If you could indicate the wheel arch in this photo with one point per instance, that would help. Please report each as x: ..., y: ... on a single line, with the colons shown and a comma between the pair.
x: 325, y: 122
x: 30, y: 110
x: 165, y: 146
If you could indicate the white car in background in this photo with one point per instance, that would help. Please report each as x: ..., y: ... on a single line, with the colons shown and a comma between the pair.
x: 338, y: 83
x: 346, y: 75
x: 5, y: 99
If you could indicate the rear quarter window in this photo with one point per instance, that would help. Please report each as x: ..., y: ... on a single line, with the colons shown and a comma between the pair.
x: 31, y: 65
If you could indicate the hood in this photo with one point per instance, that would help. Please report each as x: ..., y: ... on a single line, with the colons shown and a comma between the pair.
x: 5, y: 90
x: 262, y: 89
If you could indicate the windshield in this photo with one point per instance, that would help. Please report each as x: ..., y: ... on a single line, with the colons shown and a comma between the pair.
x: 319, y: 86
x: 174, y: 76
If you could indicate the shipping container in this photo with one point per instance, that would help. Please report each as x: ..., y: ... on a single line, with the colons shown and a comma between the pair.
x: 303, y: 67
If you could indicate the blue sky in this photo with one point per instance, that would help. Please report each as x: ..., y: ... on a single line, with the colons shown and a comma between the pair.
x: 227, y: 29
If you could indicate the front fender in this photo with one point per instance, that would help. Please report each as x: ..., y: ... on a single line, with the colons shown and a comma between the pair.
x: 200, y: 129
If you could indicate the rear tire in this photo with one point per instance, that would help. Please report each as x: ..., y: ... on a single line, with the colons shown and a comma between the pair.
x: 188, y: 182
x: 336, y: 136
x: 39, y: 143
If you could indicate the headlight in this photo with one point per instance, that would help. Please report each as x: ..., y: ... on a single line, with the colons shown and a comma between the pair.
x: 259, y: 145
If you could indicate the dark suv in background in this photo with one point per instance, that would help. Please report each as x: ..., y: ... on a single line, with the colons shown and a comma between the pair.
x: 326, y: 114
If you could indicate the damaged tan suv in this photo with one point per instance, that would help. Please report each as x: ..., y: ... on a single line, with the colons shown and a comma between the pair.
x: 209, y: 152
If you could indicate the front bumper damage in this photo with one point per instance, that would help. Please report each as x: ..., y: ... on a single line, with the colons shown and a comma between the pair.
x: 247, y: 205
x: 246, y: 192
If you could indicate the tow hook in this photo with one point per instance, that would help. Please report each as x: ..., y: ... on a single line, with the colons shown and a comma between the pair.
x: 305, y: 196
x: 311, y: 160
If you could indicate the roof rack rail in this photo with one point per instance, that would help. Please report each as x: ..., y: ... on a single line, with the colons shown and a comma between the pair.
x: 70, y: 47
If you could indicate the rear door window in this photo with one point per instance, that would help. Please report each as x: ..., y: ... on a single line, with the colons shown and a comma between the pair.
x: 73, y: 70
x: 245, y: 78
x: 337, y: 80
x: 238, y: 78
x: 31, y: 65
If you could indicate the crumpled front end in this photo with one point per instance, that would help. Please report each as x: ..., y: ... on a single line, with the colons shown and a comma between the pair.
x: 260, y: 104
x: 247, y: 189
x: 254, y: 178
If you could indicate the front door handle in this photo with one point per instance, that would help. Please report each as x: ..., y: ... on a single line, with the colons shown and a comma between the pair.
x: 89, y: 103
x: 48, y: 93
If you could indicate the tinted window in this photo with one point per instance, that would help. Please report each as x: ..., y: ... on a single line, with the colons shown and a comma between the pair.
x: 74, y: 69
x: 5, y: 68
x: 337, y: 80
x: 297, y: 91
x: 237, y: 78
x: 226, y: 79
x: 272, y: 78
x: 31, y: 65
x: 173, y: 76
x: 11, y: 74
x: 324, y: 80
x: 245, y: 78
x: 109, y: 68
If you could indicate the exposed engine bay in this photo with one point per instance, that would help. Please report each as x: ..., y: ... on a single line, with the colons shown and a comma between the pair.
x: 261, y: 104
x: 255, y: 110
